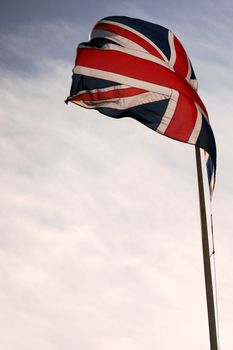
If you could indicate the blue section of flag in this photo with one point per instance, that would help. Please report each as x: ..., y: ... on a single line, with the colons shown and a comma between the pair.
x: 205, y: 140
x: 149, y: 114
x: 210, y: 168
x: 82, y: 82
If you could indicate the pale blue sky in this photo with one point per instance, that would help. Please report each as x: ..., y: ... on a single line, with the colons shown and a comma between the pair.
x: 100, y: 242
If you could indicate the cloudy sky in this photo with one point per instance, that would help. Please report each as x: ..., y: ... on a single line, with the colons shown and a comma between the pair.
x: 100, y: 243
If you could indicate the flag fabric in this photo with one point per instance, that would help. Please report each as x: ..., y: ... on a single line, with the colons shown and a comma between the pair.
x: 133, y: 68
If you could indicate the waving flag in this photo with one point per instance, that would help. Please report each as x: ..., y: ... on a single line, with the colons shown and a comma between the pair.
x: 132, y: 68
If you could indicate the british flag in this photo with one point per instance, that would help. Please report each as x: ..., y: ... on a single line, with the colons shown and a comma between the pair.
x: 133, y: 68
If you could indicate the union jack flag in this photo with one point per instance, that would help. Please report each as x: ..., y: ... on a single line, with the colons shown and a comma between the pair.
x: 133, y: 68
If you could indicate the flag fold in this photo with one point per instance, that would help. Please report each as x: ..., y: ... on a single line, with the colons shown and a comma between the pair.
x: 133, y: 68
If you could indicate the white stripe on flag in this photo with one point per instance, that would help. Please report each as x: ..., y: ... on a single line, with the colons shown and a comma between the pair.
x: 111, y: 88
x: 169, y: 112
x: 172, y: 48
x: 194, y: 83
x: 188, y: 76
x: 123, y: 103
x: 197, y: 128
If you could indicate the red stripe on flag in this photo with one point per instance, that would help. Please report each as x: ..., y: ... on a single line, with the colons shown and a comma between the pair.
x: 108, y: 95
x: 183, y: 120
x: 129, y: 35
x: 131, y: 66
x: 181, y: 64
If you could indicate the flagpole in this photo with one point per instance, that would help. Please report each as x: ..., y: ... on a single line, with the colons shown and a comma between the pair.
x: 206, y: 257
